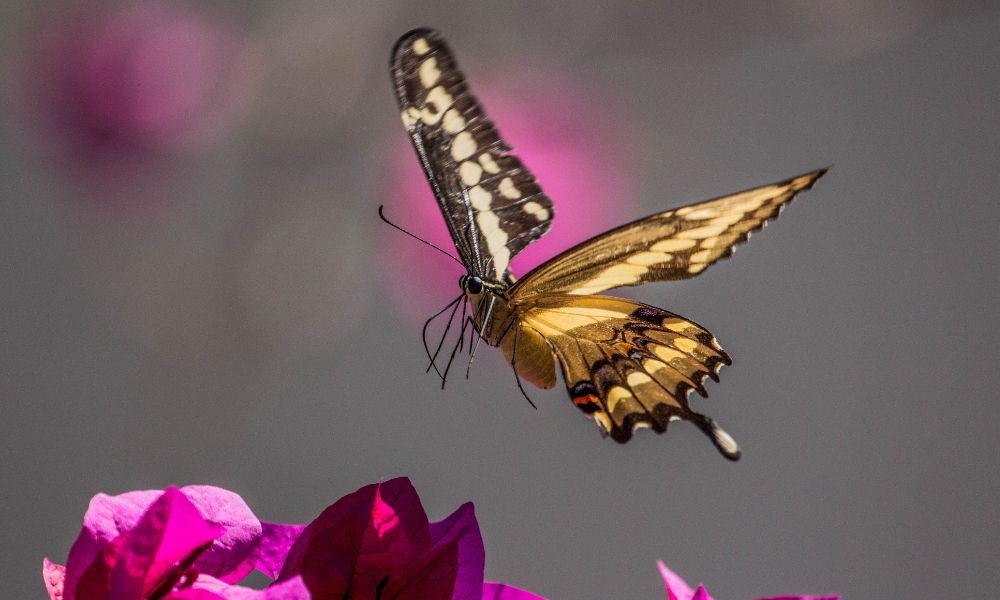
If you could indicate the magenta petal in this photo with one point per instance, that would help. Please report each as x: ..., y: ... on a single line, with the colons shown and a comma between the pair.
x: 209, y: 588
x: 701, y: 594
x: 430, y: 577
x: 677, y: 588
x: 276, y: 540
x: 821, y: 597
x: 234, y: 555
x: 107, y: 517
x: 361, y: 540
x: 54, y: 576
x: 170, y: 534
x: 230, y: 558
x: 154, y: 553
x: 500, y: 591
x: 461, y: 527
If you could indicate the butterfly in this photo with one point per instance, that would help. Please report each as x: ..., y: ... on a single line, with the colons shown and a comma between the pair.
x: 626, y: 365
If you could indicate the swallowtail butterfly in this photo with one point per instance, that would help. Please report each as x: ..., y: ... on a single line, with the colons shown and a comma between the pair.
x: 626, y: 365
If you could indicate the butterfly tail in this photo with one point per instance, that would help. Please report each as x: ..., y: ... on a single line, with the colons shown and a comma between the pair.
x: 724, y: 442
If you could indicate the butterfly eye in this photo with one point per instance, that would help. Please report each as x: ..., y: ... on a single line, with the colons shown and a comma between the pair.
x: 474, y: 285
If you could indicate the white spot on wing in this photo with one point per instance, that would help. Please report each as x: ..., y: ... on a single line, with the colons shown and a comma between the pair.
x: 648, y: 258
x: 463, y: 146
x: 636, y: 378
x: 672, y: 245
x: 420, y: 46
x: 470, y: 173
x: 488, y: 163
x: 410, y: 117
x: 536, y: 210
x: 508, y: 189
x: 453, y: 121
x: 496, y: 240
x: 429, y: 72
x: 440, y: 100
x: 615, y: 395
x: 480, y: 198
x: 699, y: 233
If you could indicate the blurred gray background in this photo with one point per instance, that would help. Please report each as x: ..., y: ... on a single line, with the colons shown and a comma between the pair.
x: 195, y: 287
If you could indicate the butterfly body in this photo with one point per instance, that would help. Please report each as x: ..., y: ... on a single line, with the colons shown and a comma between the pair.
x: 625, y: 364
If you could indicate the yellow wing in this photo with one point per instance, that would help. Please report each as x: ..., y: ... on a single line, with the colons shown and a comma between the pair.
x: 675, y: 244
x: 626, y: 365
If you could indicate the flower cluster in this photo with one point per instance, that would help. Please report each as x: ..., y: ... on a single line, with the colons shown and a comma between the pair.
x: 198, y: 542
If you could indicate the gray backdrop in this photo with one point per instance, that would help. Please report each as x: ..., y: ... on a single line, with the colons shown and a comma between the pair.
x: 243, y: 332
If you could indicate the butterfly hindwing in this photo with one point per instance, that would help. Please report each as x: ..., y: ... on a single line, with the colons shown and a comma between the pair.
x: 491, y: 202
x: 629, y: 365
x: 675, y: 244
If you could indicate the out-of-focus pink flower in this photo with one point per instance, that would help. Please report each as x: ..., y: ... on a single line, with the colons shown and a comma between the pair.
x: 572, y: 140
x: 377, y: 542
x: 678, y: 589
x: 188, y: 543
x: 145, y: 76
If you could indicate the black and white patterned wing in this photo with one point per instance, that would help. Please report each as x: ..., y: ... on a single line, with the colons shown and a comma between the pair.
x: 491, y: 202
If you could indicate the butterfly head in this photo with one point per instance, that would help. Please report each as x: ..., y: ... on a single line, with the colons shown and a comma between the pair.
x: 471, y: 284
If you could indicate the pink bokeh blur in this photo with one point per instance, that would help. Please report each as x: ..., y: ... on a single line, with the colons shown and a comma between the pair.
x: 152, y: 76
x: 122, y: 95
x: 577, y: 144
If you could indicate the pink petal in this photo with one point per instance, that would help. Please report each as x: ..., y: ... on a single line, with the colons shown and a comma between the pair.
x: 701, y: 594
x: 276, y: 541
x: 822, y: 597
x: 461, y: 527
x: 500, y: 591
x: 209, y: 588
x: 360, y: 541
x: 170, y: 534
x: 54, y: 576
x: 431, y: 576
x: 106, y: 519
x: 677, y: 588
x: 230, y: 558
x: 234, y: 555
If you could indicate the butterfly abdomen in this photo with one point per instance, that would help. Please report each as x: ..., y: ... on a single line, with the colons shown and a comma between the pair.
x: 533, y: 360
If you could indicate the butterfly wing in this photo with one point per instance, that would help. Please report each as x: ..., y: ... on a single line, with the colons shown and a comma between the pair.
x: 675, y: 244
x: 628, y: 365
x: 491, y: 202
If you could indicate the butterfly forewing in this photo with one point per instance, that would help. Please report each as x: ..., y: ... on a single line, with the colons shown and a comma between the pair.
x: 492, y: 204
x: 675, y: 244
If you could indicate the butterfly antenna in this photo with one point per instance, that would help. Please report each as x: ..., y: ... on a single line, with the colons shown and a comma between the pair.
x: 513, y: 364
x: 423, y: 333
x: 416, y: 237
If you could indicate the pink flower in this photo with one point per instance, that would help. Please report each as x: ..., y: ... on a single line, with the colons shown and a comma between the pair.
x: 678, y: 589
x: 378, y: 543
x: 149, y: 75
x: 564, y: 133
x: 188, y: 543
x: 194, y: 543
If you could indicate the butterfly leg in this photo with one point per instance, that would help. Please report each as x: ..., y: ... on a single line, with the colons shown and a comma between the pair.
x: 466, y: 321
x: 423, y: 333
x: 513, y: 362
x: 482, y: 330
